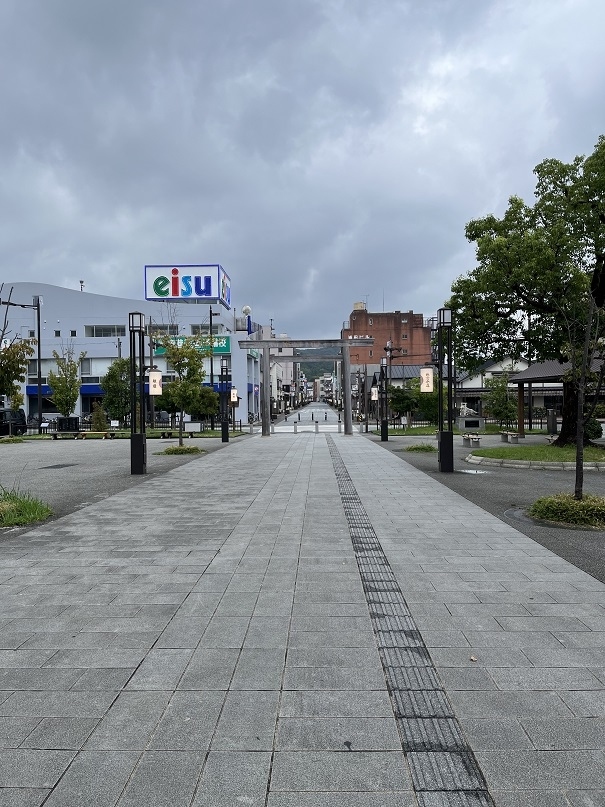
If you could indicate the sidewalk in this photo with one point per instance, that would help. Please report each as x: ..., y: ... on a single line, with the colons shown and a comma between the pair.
x: 297, y: 621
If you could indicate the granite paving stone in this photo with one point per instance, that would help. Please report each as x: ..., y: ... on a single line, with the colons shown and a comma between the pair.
x: 163, y: 779
x: 94, y: 779
x: 230, y: 656
x: 31, y: 768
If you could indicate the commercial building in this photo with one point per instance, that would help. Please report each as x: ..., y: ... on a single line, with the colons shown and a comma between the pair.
x: 405, y: 335
x: 97, y: 326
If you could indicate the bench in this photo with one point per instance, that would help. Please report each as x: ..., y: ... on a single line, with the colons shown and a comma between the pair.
x: 550, y: 438
x: 509, y: 437
x: 165, y: 435
x: 83, y: 435
x: 471, y: 440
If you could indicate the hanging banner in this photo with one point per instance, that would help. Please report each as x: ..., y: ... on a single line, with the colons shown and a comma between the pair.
x: 426, y: 379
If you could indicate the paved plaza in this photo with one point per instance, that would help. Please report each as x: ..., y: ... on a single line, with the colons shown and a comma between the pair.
x: 296, y: 621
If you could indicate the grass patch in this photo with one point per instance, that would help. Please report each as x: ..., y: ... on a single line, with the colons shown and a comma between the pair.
x: 564, y: 509
x: 5, y: 440
x: 17, y: 509
x: 182, y: 450
x: 539, y: 453
x: 421, y: 448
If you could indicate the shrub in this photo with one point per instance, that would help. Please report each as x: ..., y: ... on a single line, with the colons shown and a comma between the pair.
x: 599, y: 410
x: 563, y: 508
x: 421, y: 447
x: 182, y: 450
x: 18, y: 508
x: 99, y: 418
x: 593, y: 429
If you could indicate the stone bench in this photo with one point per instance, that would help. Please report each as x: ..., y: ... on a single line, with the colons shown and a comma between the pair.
x: 471, y: 440
x: 509, y: 437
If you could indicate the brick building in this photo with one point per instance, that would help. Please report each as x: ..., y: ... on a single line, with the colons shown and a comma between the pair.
x: 410, y: 338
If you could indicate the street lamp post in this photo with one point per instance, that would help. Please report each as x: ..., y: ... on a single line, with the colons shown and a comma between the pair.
x: 37, y: 301
x: 384, y: 421
x: 224, y: 401
x: 444, y: 345
x: 138, y: 447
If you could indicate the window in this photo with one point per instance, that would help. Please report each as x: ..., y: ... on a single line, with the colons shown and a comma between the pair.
x: 154, y: 327
x: 204, y: 329
x: 371, y: 353
x: 57, y: 333
x: 404, y: 336
x: 404, y: 353
x: 370, y: 321
x: 32, y: 334
x: 86, y: 367
x: 105, y: 330
x: 404, y: 321
x: 73, y: 333
x: 90, y: 379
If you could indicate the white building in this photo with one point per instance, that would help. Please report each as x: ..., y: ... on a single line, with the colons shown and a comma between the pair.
x: 97, y: 325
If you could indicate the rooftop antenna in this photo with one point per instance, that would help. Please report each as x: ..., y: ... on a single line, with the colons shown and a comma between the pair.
x: 367, y: 296
x: 81, y: 285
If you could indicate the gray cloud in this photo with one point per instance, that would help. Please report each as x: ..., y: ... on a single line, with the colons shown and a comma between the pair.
x: 324, y: 151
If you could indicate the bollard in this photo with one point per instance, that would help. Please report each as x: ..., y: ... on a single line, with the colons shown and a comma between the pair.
x: 316, y: 427
x: 299, y: 416
x: 251, y: 429
x: 325, y: 415
x: 272, y: 429
x: 361, y: 428
x: 339, y: 427
x: 295, y: 428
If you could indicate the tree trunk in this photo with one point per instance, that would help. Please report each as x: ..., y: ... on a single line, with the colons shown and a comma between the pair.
x: 569, y: 427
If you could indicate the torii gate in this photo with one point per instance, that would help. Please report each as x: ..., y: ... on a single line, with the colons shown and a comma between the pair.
x: 318, y: 344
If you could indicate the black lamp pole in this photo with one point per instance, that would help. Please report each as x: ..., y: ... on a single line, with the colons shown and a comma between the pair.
x: 445, y: 436
x: 211, y: 366
x: 224, y: 401
x: 384, y: 422
x: 138, y: 447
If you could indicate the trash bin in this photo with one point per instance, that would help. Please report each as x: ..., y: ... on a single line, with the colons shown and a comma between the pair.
x: 68, y: 424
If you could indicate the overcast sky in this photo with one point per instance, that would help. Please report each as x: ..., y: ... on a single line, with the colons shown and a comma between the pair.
x: 323, y: 151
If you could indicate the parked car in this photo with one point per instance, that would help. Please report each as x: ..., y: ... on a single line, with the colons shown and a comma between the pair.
x: 12, y: 421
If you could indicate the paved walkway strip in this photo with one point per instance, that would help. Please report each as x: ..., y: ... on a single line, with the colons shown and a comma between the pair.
x: 441, y: 761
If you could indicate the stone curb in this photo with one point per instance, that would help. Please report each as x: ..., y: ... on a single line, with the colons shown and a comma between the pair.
x: 533, y: 466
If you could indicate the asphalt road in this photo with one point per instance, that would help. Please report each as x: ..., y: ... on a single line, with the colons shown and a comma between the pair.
x: 70, y: 474
x: 507, y: 492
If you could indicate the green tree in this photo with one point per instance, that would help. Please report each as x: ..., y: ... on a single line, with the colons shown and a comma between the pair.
x: 65, y: 383
x: 499, y: 402
x: 185, y: 357
x: 14, y: 358
x: 116, y: 386
x: 539, y: 287
x: 99, y: 418
x: 428, y: 404
x: 404, y: 399
x: 208, y: 404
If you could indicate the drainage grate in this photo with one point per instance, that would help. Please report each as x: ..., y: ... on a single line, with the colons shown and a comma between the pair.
x: 444, y: 770
x: 53, y: 467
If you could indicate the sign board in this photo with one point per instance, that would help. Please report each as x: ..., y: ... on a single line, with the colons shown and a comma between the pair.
x: 426, y: 379
x: 374, y: 394
x: 207, y: 283
x: 155, y: 383
x: 233, y: 395
x: 221, y: 345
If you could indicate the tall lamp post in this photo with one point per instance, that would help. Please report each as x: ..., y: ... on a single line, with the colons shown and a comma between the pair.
x: 224, y: 401
x: 384, y: 421
x: 37, y: 301
x: 444, y: 346
x: 138, y: 446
